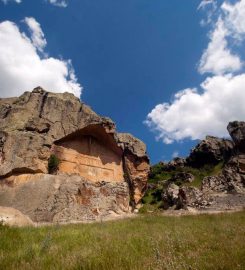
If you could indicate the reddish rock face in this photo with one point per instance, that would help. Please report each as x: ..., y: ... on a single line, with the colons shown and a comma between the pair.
x: 38, y: 124
x: 90, y: 158
x: 137, y: 170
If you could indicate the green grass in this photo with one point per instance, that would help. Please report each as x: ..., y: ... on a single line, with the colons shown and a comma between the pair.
x: 146, y: 242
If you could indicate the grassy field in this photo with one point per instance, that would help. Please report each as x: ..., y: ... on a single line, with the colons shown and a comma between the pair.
x: 146, y: 242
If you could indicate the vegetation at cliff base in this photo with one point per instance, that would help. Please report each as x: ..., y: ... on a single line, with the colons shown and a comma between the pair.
x: 145, y: 242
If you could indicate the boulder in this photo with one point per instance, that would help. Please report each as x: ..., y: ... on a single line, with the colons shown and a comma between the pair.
x: 183, y: 197
x: 191, y: 197
x: 40, y: 124
x: 13, y: 217
x: 210, y: 151
x: 170, y: 196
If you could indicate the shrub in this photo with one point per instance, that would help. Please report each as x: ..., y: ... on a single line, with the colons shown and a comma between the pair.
x: 53, y: 164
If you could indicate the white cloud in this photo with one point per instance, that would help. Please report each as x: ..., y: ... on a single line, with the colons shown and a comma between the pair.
x: 37, y: 35
x: 217, y: 58
x: 206, y: 110
x: 16, y: 1
x: 194, y: 115
x: 58, y: 3
x: 235, y: 18
x: 21, y: 68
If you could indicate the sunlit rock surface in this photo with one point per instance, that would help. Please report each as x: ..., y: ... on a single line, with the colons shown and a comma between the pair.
x: 100, y: 172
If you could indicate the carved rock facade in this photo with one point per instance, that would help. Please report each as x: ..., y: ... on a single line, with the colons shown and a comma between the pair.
x: 99, y: 172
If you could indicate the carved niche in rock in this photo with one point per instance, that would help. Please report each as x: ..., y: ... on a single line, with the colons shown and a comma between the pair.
x: 92, y: 153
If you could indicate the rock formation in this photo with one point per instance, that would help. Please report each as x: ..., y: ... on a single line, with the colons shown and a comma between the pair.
x: 183, y: 197
x: 214, y: 188
x: 212, y: 150
x: 13, y: 217
x: 98, y: 171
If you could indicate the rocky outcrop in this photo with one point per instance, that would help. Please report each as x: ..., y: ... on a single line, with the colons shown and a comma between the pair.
x: 230, y: 182
x: 39, y: 124
x: 176, y: 197
x: 212, y: 150
x: 211, y: 178
x: 232, y: 177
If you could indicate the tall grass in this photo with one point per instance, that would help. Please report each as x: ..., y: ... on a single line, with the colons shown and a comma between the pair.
x: 146, y: 242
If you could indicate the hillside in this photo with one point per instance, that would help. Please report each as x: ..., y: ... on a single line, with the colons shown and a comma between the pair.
x: 211, y: 178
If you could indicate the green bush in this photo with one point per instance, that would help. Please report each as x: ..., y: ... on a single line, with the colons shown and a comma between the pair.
x: 53, y: 164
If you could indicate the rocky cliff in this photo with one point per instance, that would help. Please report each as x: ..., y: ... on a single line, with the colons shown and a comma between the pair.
x: 212, y: 177
x: 97, y: 172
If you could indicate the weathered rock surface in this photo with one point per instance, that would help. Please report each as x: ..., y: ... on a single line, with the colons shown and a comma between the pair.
x: 212, y: 150
x: 63, y: 198
x: 183, y: 197
x: 38, y: 124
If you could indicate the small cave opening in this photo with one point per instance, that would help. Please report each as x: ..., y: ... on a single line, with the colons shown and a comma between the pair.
x: 92, y: 153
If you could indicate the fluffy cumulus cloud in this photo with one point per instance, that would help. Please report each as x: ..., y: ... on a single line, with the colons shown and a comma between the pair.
x: 195, y: 115
x: 22, y: 67
x: 206, y: 110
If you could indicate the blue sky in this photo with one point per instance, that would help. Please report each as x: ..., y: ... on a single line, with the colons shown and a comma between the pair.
x: 129, y: 56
